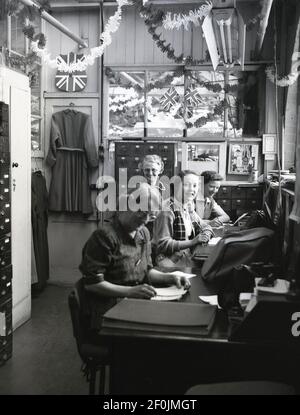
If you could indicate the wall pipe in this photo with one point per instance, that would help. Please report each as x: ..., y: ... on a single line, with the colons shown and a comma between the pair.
x: 46, y: 16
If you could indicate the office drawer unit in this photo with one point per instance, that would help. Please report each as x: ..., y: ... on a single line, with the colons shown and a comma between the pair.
x: 5, y: 330
x: 129, y: 154
x: 237, y: 199
x: 5, y: 240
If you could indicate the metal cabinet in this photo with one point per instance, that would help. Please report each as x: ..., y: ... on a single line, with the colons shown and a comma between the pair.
x: 5, y: 239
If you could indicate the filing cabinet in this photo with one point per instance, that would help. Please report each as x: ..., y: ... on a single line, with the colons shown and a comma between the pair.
x: 5, y: 240
x: 237, y: 199
x: 129, y: 154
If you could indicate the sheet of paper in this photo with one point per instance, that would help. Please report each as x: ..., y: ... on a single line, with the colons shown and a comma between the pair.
x: 280, y: 287
x: 170, y: 291
x: 184, y: 274
x: 210, y: 299
x: 214, y: 241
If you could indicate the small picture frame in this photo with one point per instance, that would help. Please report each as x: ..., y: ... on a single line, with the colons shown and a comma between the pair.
x: 243, y: 158
x: 269, y: 144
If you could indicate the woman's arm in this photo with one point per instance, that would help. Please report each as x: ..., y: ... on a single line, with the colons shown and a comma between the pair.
x: 169, y: 278
x: 108, y: 289
x: 163, y: 235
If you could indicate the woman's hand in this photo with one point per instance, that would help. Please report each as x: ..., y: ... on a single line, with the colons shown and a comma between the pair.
x: 201, y: 238
x: 141, y: 291
x: 179, y: 280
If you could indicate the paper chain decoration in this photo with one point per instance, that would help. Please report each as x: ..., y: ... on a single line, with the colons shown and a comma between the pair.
x: 291, y: 78
x: 194, y: 17
x: 81, y: 65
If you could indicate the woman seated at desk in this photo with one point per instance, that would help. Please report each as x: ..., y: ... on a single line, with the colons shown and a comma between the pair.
x: 116, y: 260
x: 178, y: 228
x: 212, y: 214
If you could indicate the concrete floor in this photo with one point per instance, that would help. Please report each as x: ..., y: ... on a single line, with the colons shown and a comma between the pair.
x: 45, y: 360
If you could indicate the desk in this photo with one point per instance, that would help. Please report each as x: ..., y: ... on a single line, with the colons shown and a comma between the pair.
x: 158, y: 363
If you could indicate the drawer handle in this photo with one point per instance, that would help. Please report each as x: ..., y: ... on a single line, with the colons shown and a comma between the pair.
x: 2, y: 213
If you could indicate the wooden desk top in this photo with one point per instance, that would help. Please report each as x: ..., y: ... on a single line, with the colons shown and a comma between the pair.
x: 219, y: 332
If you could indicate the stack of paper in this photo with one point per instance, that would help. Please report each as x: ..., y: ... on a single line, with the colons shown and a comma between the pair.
x: 169, y: 293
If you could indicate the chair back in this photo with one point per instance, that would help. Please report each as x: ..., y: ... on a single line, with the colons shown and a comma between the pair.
x: 79, y: 331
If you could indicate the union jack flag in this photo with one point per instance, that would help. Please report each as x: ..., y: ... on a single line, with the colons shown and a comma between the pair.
x: 192, y: 97
x: 67, y: 81
x: 169, y: 99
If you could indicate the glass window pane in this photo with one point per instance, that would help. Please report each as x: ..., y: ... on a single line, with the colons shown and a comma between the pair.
x: 35, y: 84
x: 17, y: 36
x: 205, y: 104
x: 126, y: 104
x: 35, y: 134
x: 164, y: 104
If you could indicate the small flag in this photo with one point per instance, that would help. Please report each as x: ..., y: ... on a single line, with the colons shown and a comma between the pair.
x: 192, y: 97
x: 67, y: 81
x: 169, y: 99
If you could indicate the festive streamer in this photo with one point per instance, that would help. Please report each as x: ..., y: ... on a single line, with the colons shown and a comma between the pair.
x: 289, y: 79
x: 111, y: 27
x: 181, y: 19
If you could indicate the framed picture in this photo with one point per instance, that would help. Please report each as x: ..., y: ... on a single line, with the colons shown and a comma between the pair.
x: 201, y: 156
x: 269, y: 144
x: 243, y: 158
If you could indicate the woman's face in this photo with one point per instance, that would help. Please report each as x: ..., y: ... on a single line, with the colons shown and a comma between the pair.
x: 151, y: 171
x: 211, y: 188
x: 189, y: 188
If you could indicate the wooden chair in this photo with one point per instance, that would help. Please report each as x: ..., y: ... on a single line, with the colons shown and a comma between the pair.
x: 95, y: 357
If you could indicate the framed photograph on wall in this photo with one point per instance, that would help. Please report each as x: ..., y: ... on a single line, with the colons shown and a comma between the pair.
x: 243, y: 158
x: 201, y: 156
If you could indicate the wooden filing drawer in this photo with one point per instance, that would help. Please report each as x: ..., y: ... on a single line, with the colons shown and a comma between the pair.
x: 122, y: 161
x: 166, y: 149
x: 254, y: 192
x: 238, y: 204
x: 4, y: 159
x: 253, y: 204
x: 4, y: 130
x: 224, y: 193
x: 6, y: 274
x: 3, y: 112
x: 122, y: 149
x: 4, y: 144
x: 225, y: 204
x: 238, y: 193
x: 135, y: 161
x: 5, y: 341
x: 151, y: 148
x: 136, y: 149
x: 5, y: 225
x: 5, y: 292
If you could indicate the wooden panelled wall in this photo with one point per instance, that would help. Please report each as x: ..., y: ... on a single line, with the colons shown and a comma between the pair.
x: 133, y: 45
